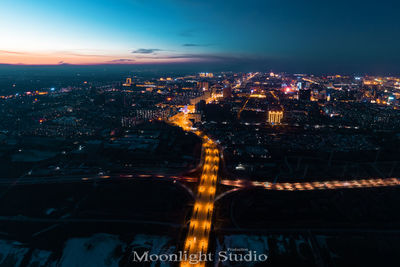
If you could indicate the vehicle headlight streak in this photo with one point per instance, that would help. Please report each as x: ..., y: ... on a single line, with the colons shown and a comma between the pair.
x: 323, y: 185
x: 197, y: 238
x: 200, y: 223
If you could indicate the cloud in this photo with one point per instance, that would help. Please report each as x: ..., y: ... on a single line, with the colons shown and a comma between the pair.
x: 194, y: 57
x: 196, y: 45
x: 146, y: 51
x: 11, y: 52
x: 190, y: 45
x: 122, y: 60
x: 63, y: 63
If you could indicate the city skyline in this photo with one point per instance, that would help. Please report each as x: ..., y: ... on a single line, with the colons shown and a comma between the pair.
x: 111, y: 168
x: 199, y: 133
x: 284, y: 35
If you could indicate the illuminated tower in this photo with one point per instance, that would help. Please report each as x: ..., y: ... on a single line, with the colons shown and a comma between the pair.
x: 128, y: 82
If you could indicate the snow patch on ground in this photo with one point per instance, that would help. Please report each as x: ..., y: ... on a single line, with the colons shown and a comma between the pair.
x: 97, y: 250
x: 41, y: 258
x: 11, y: 253
x: 155, y: 245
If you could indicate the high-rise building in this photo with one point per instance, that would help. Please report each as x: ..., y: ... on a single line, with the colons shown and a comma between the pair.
x: 204, y: 97
x: 203, y: 85
x: 275, y: 117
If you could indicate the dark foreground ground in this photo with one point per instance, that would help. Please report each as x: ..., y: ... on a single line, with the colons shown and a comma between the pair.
x: 100, y: 224
x: 89, y: 224
x: 353, y: 227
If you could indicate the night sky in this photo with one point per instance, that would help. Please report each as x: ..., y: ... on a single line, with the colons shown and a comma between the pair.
x: 286, y: 35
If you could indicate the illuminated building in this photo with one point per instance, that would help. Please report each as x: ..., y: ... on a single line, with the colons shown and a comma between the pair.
x: 206, y: 75
x: 128, y: 82
x: 299, y: 85
x: 275, y: 117
x: 203, y: 86
x: 204, y: 97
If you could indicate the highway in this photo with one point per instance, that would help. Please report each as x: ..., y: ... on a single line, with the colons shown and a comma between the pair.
x: 197, y: 238
x: 78, y: 178
x: 181, y: 119
x: 244, y: 105
x: 245, y: 80
x: 251, y: 76
x: 317, y: 185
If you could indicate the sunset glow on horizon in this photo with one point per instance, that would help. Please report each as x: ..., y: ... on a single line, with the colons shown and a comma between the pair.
x: 109, y: 32
x: 287, y: 34
x: 29, y: 58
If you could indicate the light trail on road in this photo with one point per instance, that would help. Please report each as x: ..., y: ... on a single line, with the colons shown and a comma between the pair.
x: 197, y: 238
x: 317, y: 185
x: 96, y: 178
